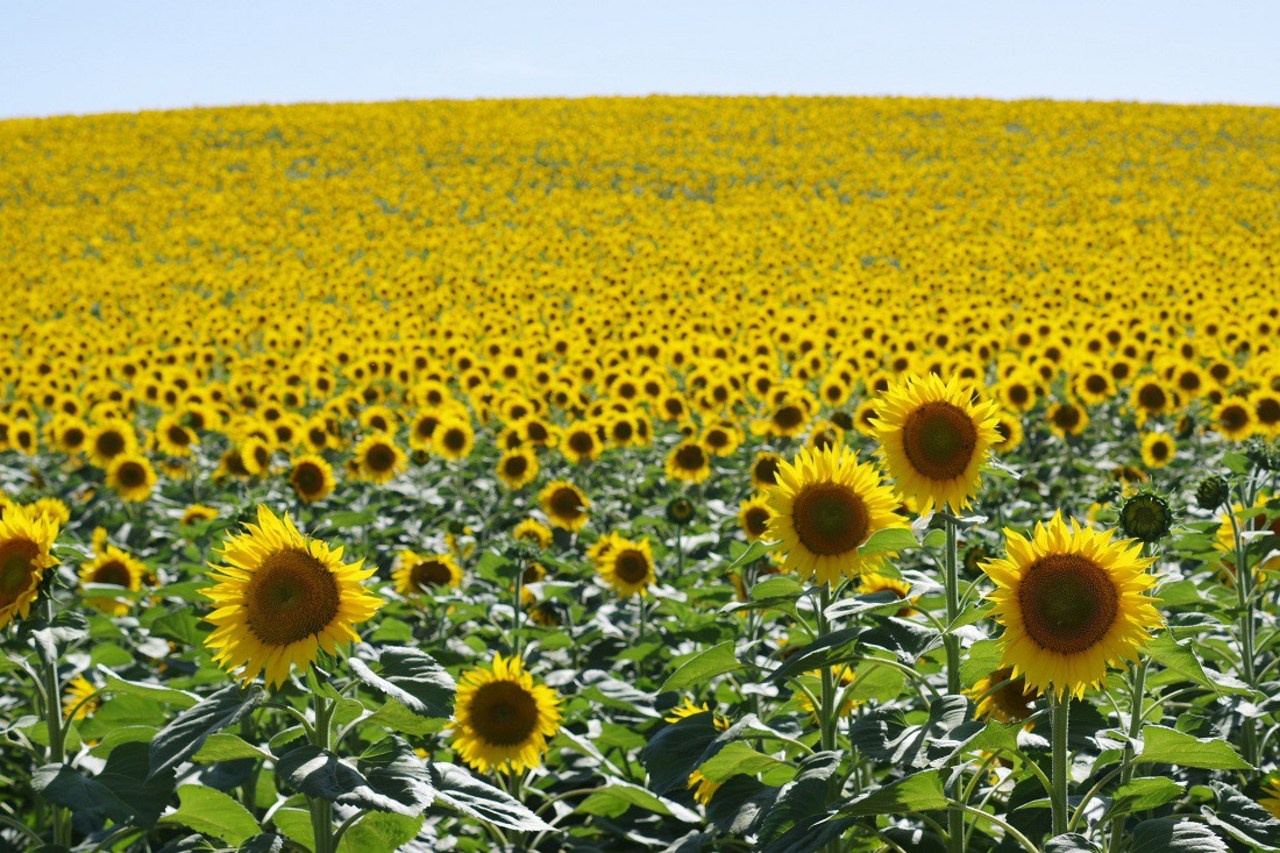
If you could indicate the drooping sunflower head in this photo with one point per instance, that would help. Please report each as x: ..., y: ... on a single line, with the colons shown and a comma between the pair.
x: 1002, y: 696
x: 565, y: 505
x: 627, y: 566
x: 25, y: 544
x: 503, y: 718
x: 934, y: 439
x: 312, y: 478
x: 418, y: 573
x: 825, y: 506
x: 132, y: 476
x: 689, y: 463
x: 119, y: 568
x: 280, y: 596
x: 1071, y: 601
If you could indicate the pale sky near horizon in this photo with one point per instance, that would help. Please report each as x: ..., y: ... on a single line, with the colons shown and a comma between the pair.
x: 81, y: 56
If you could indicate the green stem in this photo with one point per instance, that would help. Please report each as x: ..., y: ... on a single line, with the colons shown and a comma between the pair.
x: 516, y: 608
x: 1244, y: 588
x: 321, y: 809
x: 53, y: 721
x: 827, y: 720
x: 1061, y: 709
x: 951, y: 642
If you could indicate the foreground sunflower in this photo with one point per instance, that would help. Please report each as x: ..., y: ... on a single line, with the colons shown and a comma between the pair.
x: 502, y: 718
x: 25, y: 543
x: 934, y: 439
x: 826, y: 505
x: 1071, y: 601
x: 565, y: 505
x: 280, y: 597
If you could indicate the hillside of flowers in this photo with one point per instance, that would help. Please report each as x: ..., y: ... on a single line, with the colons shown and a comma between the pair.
x: 663, y: 474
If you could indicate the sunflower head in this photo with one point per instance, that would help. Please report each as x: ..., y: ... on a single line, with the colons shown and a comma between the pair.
x: 117, y: 568
x: 503, y: 718
x: 825, y: 506
x: 419, y: 573
x: 565, y: 505
x: 517, y: 468
x: 1146, y: 517
x: 379, y: 458
x: 132, y: 476
x: 934, y: 439
x: 680, y: 511
x: 753, y: 516
x: 280, y: 597
x: 1002, y: 696
x: 627, y: 566
x: 311, y: 478
x: 689, y: 463
x: 1071, y: 601
x: 1212, y: 492
x: 25, y: 545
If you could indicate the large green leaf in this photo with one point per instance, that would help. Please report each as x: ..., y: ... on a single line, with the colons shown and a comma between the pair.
x: 457, y: 788
x: 1175, y: 835
x: 182, y: 738
x: 146, y: 690
x: 1242, y: 818
x: 402, y: 788
x: 1163, y: 745
x: 211, y: 812
x: 617, y: 795
x: 703, y: 666
x: 412, y: 678
x: 380, y: 832
x: 919, y: 792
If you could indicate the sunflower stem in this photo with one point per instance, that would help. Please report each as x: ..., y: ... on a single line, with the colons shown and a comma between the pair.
x: 53, y: 720
x: 1061, y: 708
x: 827, y: 722
x: 515, y: 610
x: 951, y: 642
x: 321, y: 809
x: 1244, y: 589
x: 1138, y: 680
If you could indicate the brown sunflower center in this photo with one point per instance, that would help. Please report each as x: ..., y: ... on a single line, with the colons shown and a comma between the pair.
x: 503, y: 713
x: 565, y: 503
x: 1095, y: 383
x: 788, y: 417
x: 767, y: 470
x: 430, y: 573
x: 537, y: 432
x: 830, y: 518
x: 1268, y: 409
x: 1067, y: 417
x: 308, y: 478
x: 1151, y: 397
x: 581, y: 442
x: 425, y: 427
x: 939, y: 440
x: 131, y: 475
x: 1160, y: 450
x: 110, y: 443
x: 757, y: 521
x: 290, y: 597
x: 690, y: 457
x: 113, y: 572
x: 1018, y: 394
x: 380, y: 458
x: 455, y: 440
x: 1189, y: 381
x: 1013, y: 697
x: 515, y: 466
x: 1068, y: 602
x: 631, y: 566
x: 17, y: 568
x: 73, y: 437
x: 179, y: 436
x: 1234, y: 417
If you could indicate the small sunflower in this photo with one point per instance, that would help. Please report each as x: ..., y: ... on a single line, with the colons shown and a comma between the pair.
x: 534, y: 532
x: 934, y: 440
x: 627, y: 566
x: 113, y: 566
x: 1157, y: 449
x: 873, y: 583
x: 378, y: 458
x: 280, y: 597
x: 1234, y: 418
x: 753, y: 517
x: 566, y: 507
x: 197, y: 513
x: 1067, y: 419
x: 173, y: 438
x: 453, y: 439
x: 517, y: 468
x: 25, y: 543
x: 79, y: 700
x: 132, y: 476
x: 764, y: 470
x: 1003, y: 697
x: 703, y: 788
x: 689, y: 463
x: 311, y: 478
x: 503, y: 718
x: 825, y: 506
x: 110, y: 439
x: 579, y: 444
x: 1008, y: 433
x: 419, y: 573
x: 1071, y: 601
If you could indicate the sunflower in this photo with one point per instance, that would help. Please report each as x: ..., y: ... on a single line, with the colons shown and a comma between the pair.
x: 281, y: 596
x: 1000, y: 696
x: 79, y: 700
x: 534, y: 532
x: 378, y: 458
x: 1271, y: 794
x: 422, y: 430
x: 173, y: 438
x: 689, y: 463
x: 311, y: 478
x: 703, y: 788
x: 113, y: 566
x: 502, y: 718
x: 934, y: 440
x: 1266, y: 410
x: 25, y: 542
x: 132, y: 476
x: 53, y: 510
x: 753, y: 517
x: 1071, y: 601
x: 826, y: 505
x: 1008, y: 433
x: 197, y: 513
x: 627, y: 566
x: 566, y: 507
x: 1150, y: 398
x: 255, y: 456
x: 517, y: 468
x: 544, y: 613
x: 764, y: 470
x: 1067, y: 419
x: 24, y: 438
x: 1157, y: 449
x: 110, y: 439
x: 1224, y: 538
x: 1234, y: 418
x: 873, y: 583
x: 722, y: 438
x: 423, y: 573
x: 453, y: 439
x: 1018, y: 392
x: 69, y: 434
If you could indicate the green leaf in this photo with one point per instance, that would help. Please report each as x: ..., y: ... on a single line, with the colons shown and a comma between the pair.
x: 1071, y: 842
x: 1172, y: 835
x: 617, y: 795
x: 124, y: 734
x: 183, y: 626
x: 295, y: 823
x: 123, y: 791
x: 919, y: 792
x: 805, y: 796
x: 888, y: 540
x: 1180, y: 658
x: 212, y: 812
x: 411, y: 677
x: 1144, y: 794
x: 705, y: 665
x: 457, y: 788
x: 982, y: 659
x: 380, y: 832
x: 1243, y: 819
x: 183, y: 737
x: 739, y: 758
x: 319, y: 773
x: 884, y: 734
x: 835, y: 647
x: 397, y: 718
x: 755, y: 551
x: 168, y: 695
x: 1163, y: 745
x: 935, y: 538
x: 224, y: 746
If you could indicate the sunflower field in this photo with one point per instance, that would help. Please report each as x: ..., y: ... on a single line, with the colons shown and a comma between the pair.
x: 664, y: 474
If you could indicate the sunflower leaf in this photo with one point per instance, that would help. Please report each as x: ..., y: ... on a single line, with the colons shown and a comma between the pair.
x: 457, y: 788
x: 168, y: 695
x: 401, y: 787
x: 184, y: 736
x: 412, y: 678
x: 1242, y: 818
x: 1172, y: 835
x: 887, y: 541
x: 707, y: 664
x: 1163, y: 745
x: 212, y: 812
x: 918, y: 792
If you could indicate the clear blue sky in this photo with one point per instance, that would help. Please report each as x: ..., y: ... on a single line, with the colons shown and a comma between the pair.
x: 96, y: 55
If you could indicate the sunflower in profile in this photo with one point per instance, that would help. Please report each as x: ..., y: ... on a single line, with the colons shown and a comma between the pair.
x: 872, y: 583
x: 753, y: 517
x: 378, y: 458
x: 280, y: 596
x: 79, y: 700
x: 534, y: 532
x: 1071, y: 601
x: 825, y: 506
x: 25, y: 543
x: 311, y: 478
x: 689, y: 463
x: 419, y: 573
x: 566, y: 507
x: 453, y: 439
x: 627, y: 566
x: 255, y: 456
x: 1157, y: 449
x: 1000, y: 696
x: 112, y: 565
x: 517, y: 468
x: 132, y: 476
x: 503, y: 718
x: 934, y: 439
